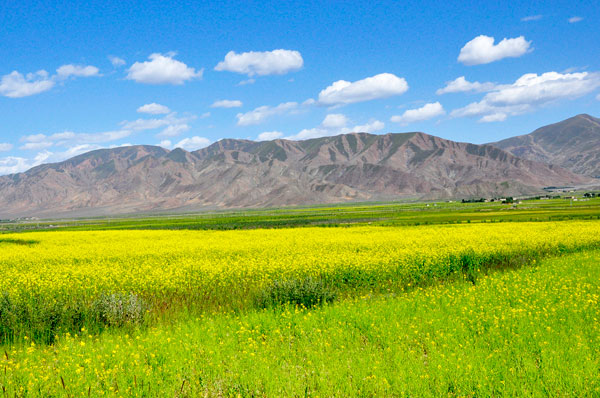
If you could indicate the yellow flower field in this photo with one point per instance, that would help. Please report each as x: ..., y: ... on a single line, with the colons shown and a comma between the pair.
x: 174, y: 263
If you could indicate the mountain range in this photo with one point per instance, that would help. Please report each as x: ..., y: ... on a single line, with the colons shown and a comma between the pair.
x: 573, y: 144
x: 235, y: 173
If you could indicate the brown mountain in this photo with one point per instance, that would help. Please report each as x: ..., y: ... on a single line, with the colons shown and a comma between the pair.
x: 241, y: 173
x: 573, y: 144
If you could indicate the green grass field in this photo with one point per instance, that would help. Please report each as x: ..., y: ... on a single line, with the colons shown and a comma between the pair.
x: 392, y: 213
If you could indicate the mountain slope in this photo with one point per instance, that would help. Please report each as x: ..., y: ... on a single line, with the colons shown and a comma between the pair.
x: 242, y: 173
x: 573, y: 144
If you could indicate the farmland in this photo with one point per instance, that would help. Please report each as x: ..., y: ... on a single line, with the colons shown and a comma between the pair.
x: 458, y: 306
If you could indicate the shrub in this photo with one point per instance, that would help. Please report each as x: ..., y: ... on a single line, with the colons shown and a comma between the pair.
x: 307, y: 292
x: 120, y: 309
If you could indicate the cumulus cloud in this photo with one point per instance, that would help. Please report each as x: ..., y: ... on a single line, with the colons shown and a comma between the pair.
x: 276, y: 62
x: 426, y: 112
x: 226, y: 104
x: 343, y: 92
x: 332, y: 125
x: 71, y: 139
x: 153, y: 109
x: 66, y: 71
x: 174, y: 130
x: 116, y: 61
x: 528, y: 93
x: 462, y: 85
x: 4, y: 147
x: 166, y: 143
x: 170, y: 123
x: 13, y: 164
x: 269, y: 135
x: 532, y: 18
x: 15, y: 85
x: 260, y: 114
x: 193, y: 143
x: 482, y: 50
x: 36, y: 146
x: 335, y: 120
x: 494, y: 117
x: 162, y: 69
x: 575, y: 19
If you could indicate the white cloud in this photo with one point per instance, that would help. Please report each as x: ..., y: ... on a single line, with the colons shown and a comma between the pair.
x: 426, y: 112
x: 335, y: 120
x: 227, y: 104
x: 343, y: 92
x: 171, y: 125
x: 15, y: 85
x: 38, y: 141
x: 116, y: 61
x: 532, y: 18
x: 36, y: 146
x: 151, y: 124
x: 462, y: 85
x: 173, y: 130
x: 153, y: 109
x: 66, y: 71
x: 531, y: 88
x: 34, y: 138
x: 12, y: 165
x: 482, y: 50
x: 370, y: 127
x: 166, y: 143
x: 528, y: 93
x: 260, y: 114
x: 144, y: 124
x: 193, y: 143
x: 575, y: 19
x: 4, y: 146
x: 494, y: 117
x: 106, y: 136
x: 276, y: 62
x: 270, y: 135
x: 246, y: 82
x: 328, y: 128
x: 598, y: 97
x: 162, y: 69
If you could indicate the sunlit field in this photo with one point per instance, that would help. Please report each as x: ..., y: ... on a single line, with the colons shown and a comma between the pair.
x: 473, y: 309
x: 533, y: 331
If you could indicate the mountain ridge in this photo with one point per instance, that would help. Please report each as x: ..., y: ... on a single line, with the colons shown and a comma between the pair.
x: 573, y: 144
x: 242, y: 173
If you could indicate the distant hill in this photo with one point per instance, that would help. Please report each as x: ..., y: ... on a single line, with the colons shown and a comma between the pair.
x: 573, y: 144
x: 240, y: 173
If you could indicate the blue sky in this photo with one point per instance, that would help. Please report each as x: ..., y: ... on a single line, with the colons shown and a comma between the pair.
x: 108, y: 73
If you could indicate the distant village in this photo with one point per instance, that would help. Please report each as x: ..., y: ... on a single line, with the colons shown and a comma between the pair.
x: 518, y: 200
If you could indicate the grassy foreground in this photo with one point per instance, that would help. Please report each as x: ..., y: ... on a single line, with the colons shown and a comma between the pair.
x: 534, y: 331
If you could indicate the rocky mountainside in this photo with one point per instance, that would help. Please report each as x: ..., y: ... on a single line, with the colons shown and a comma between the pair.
x: 573, y: 144
x: 241, y: 173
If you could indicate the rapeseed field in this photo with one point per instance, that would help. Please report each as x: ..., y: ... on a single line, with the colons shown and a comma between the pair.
x: 62, y: 281
x: 527, y: 332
